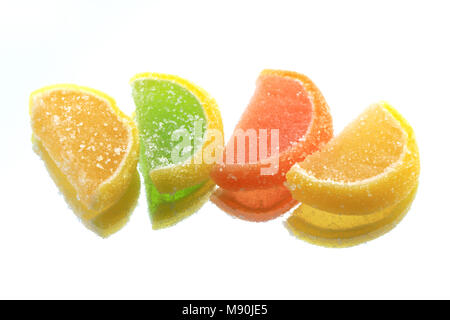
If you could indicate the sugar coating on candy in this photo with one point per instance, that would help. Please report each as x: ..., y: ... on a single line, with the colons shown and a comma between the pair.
x: 373, y: 164
x: 366, y: 148
x: 91, y: 142
x: 293, y: 106
x: 169, y: 111
x: 82, y: 135
x: 166, y: 107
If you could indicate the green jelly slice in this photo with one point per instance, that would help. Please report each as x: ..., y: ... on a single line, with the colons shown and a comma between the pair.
x: 163, y: 110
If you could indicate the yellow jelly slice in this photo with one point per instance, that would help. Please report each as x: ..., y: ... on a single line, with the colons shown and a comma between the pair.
x: 337, y: 230
x: 372, y: 165
x: 89, y: 140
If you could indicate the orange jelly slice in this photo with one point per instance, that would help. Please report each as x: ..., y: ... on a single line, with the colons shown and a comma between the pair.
x: 289, y: 105
x: 89, y: 140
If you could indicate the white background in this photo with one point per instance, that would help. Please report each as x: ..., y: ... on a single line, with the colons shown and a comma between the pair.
x: 357, y: 52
